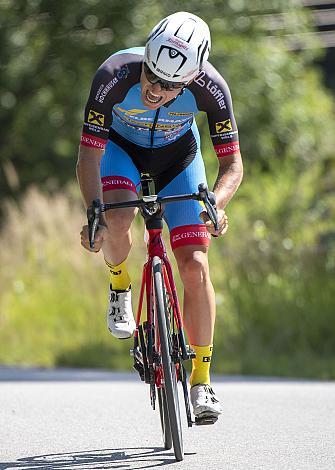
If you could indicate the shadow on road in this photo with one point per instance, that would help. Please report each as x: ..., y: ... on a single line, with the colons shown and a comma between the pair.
x: 129, y: 458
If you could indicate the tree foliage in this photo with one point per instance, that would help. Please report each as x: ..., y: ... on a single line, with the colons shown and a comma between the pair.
x: 50, y: 51
x: 278, y: 259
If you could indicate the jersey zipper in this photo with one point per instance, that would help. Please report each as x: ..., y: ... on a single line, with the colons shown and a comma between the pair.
x: 153, y: 128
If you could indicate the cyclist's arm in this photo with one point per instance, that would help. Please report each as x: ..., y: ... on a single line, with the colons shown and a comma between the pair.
x: 111, y: 82
x: 213, y: 97
x: 88, y: 173
x: 229, y: 178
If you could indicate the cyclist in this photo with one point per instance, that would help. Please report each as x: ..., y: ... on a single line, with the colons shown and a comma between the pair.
x: 139, y: 118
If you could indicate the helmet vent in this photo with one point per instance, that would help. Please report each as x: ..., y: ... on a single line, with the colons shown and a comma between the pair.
x: 199, y: 50
x: 202, y: 53
x: 160, y: 30
x: 186, y: 30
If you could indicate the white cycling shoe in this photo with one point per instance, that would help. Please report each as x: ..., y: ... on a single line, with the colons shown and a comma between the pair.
x: 120, y: 318
x: 206, y: 406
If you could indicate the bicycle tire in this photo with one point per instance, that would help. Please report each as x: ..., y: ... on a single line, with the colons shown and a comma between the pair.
x: 169, y: 369
x: 164, y: 417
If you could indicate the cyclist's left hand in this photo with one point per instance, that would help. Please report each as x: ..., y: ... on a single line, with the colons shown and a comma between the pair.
x: 223, y: 222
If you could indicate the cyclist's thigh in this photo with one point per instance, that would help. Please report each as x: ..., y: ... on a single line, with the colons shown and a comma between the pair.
x: 119, y: 176
x: 185, y: 225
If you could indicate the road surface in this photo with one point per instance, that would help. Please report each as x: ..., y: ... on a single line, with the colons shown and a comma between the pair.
x: 80, y: 420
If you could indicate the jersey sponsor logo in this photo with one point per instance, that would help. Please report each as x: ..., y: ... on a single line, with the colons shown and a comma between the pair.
x: 123, y: 72
x: 223, y: 150
x: 96, y: 118
x: 223, y: 126
x: 132, y: 111
x: 139, y: 119
x: 101, y: 87
x: 180, y: 114
x: 95, y: 129
x: 212, y: 88
x: 226, y: 135
x: 190, y: 234
x: 171, y: 135
x: 92, y: 141
x: 117, y: 182
x: 149, y: 125
x: 104, y: 90
x: 199, y: 79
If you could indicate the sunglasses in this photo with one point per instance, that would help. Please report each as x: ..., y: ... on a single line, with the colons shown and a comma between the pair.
x: 164, y: 84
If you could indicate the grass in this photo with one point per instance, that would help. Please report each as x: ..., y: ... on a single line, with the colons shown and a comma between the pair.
x: 274, y: 286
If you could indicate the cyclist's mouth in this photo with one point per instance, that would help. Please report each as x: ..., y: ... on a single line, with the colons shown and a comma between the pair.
x: 154, y: 99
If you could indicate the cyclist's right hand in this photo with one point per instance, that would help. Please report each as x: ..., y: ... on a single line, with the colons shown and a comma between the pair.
x: 99, y: 238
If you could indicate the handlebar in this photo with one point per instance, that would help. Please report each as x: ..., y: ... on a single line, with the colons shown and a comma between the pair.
x: 150, y: 202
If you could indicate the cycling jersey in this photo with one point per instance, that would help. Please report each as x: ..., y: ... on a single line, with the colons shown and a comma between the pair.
x: 120, y: 171
x: 115, y: 104
x: 164, y: 142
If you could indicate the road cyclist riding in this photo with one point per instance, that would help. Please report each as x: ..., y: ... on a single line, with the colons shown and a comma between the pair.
x: 140, y: 120
x: 159, y: 342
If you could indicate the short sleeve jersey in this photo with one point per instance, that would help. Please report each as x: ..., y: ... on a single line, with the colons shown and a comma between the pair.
x: 115, y: 103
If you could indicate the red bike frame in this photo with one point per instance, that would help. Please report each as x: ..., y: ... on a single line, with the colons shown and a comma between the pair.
x: 156, y: 247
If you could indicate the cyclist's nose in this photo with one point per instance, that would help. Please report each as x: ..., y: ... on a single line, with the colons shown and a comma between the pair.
x: 156, y: 88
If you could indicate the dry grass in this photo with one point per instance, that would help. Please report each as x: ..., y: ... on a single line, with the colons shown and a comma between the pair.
x: 274, y: 288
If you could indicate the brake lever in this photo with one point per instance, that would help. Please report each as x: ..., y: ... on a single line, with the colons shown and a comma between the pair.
x: 93, y: 218
x: 208, y: 198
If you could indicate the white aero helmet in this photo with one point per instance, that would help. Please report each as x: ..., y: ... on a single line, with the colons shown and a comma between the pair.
x: 177, y: 47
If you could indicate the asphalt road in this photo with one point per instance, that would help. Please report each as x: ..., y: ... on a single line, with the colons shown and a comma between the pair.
x: 80, y: 420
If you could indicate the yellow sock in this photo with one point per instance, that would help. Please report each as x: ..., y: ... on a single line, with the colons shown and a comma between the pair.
x: 201, y: 365
x: 119, y: 277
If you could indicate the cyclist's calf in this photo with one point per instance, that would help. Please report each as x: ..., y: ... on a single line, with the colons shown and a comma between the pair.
x: 118, y: 241
x: 199, y: 299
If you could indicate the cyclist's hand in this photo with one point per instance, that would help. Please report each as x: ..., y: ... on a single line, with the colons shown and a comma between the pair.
x: 223, y: 222
x: 99, y: 238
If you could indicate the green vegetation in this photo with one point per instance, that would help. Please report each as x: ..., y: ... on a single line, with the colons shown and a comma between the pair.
x: 274, y: 270
x: 274, y: 291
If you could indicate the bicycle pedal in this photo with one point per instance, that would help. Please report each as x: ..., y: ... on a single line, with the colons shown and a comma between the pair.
x: 205, y: 420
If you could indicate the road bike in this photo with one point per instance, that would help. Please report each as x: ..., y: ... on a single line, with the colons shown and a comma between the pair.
x: 160, y: 347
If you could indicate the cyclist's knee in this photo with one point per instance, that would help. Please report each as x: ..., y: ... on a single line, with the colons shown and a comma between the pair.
x: 193, y: 266
x: 119, y: 220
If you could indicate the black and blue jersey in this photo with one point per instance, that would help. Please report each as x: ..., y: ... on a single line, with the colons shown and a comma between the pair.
x: 115, y: 106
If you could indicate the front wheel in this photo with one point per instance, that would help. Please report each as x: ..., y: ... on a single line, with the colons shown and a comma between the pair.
x: 169, y: 368
x: 164, y: 416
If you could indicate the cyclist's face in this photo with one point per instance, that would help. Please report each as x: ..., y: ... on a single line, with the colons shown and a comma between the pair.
x: 153, y: 95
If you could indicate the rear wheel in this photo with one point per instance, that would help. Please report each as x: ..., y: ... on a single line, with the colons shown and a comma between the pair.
x: 169, y: 368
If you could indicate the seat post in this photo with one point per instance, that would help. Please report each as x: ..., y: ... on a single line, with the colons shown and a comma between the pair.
x: 145, y: 183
